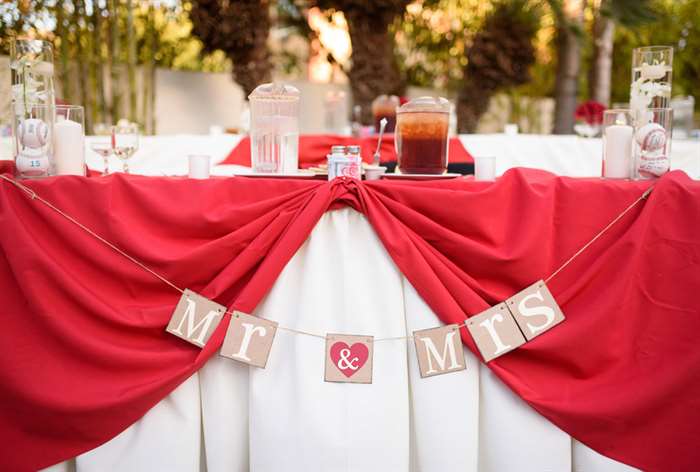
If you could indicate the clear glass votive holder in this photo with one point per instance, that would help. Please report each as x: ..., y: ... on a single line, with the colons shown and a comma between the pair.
x: 618, y: 134
x: 198, y: 166
x: 485, y: 168
x: 652, y: 144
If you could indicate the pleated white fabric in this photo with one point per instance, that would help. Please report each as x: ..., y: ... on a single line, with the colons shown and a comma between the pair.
x: 232, y: 418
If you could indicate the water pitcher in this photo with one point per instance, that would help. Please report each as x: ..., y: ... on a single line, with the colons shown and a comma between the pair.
x: 274, y: 128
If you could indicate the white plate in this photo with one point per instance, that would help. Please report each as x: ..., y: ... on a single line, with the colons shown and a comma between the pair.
x: 420, y: 176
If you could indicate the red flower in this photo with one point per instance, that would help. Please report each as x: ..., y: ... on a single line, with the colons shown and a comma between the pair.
x: 591, y: 112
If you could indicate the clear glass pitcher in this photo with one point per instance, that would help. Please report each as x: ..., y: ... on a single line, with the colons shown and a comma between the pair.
x: 274, y: 128
x: 421, y: 135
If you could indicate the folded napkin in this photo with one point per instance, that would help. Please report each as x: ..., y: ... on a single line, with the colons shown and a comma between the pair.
x: 313, y: 149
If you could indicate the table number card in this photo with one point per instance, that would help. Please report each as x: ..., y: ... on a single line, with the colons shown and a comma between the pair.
x: 349, y: 358
x: 495, y: 332
x: 195, y: 318
x: 535, y: 310
x: 249, y: 339
x: 439, y: 350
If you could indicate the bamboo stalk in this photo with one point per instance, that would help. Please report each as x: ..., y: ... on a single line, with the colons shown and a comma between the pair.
x: 81, y: 55
x: 63, y: 52
x: 100, y: 101
x: 131, y: 59
x: 113, y: 55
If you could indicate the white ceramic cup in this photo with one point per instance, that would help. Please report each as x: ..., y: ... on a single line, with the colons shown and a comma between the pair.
x: 484, y: 167
x: 198, y: 166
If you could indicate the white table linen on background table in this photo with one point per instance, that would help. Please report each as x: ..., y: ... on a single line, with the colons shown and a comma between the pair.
x: 229, y: 417
x: 565, y: 154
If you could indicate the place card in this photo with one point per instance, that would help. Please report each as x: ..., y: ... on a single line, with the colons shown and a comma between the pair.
x: 495, y: 332
x: 535, y: 310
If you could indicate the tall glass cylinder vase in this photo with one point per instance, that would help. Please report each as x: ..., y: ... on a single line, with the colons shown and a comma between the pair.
x: 33, y: 99
x: 652, y: 144
x: 652, y: 71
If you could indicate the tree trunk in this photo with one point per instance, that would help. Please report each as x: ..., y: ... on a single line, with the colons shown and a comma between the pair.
x: 568, y: 66
x: 374, y: 69
x: 472, y: 103
x: 599, y: 81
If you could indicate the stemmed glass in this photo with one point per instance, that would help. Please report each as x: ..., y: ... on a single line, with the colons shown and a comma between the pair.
x: 104, y: 149
x: 126, y: 142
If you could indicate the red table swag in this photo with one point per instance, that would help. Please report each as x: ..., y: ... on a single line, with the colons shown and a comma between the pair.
x: 84, y: 353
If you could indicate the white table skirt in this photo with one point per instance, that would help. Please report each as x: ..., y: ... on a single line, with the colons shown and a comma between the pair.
x: 229, y: 417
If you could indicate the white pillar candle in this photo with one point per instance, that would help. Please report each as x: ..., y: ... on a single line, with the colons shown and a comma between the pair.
x: 69, y: 148
x: 199, y: 166
x: 485, y: 168
x: 617, y: 151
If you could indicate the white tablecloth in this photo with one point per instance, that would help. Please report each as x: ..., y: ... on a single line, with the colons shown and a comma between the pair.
x: 229, y: 417
x: 562, y: 155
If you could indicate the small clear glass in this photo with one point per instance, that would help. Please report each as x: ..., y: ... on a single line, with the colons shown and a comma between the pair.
x: 103, y: 148
x: 385, y: 106
x: 126, y: 143
x: 618, y: 134
x: 652, y: 143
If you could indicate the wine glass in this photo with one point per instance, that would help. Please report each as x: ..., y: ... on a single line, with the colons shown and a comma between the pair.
x: 126, y: 142
x: 104, y: 149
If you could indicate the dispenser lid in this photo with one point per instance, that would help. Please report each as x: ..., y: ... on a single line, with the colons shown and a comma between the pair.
x: 426, y: 104
x: 275, y: 91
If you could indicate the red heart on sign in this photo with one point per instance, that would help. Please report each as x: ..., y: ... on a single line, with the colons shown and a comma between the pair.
x: 349, y: 359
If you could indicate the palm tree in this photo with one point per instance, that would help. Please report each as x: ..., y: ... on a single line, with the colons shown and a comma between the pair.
x: 374, y: 69
x: 240, y: 29
x: 500, y: 56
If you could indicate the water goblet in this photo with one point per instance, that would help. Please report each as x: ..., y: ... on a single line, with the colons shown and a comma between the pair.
x: 104, y: 149
x: 126, y: 142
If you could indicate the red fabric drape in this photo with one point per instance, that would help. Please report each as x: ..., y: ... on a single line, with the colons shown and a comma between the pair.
x: 313, y: 149
x: 84, y: 353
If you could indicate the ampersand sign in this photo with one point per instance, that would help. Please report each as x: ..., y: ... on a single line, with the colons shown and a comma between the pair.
x: 349, y: 359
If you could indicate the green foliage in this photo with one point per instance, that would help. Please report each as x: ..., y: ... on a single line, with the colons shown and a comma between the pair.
x: 677, y: 24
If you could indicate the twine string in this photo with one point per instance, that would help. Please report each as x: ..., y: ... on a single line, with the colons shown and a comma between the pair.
x: 34, y: 196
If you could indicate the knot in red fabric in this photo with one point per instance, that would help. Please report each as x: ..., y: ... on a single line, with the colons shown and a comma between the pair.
x: 346, y: 191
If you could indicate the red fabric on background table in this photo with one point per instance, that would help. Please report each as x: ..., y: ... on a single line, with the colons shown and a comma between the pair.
x: 84, y: 353
x: 313, y: 149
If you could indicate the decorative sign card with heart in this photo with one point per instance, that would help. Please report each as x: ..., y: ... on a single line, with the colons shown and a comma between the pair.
x: 349, y: 358
x: 249, y: 339
x: 195, y: 318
